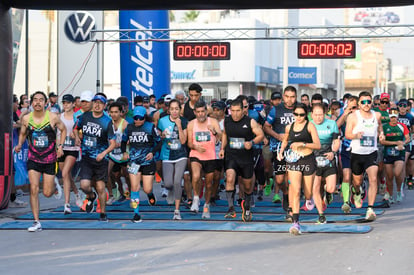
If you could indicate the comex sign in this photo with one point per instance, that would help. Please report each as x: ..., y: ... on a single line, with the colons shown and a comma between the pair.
x: 302, y: 75
x: 78, y: 26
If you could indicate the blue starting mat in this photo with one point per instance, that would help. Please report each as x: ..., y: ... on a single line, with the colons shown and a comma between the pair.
x: 124, y: 207
x: 188, y: 226
x: 191, y: 216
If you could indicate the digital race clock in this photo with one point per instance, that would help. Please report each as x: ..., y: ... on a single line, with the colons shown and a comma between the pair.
x: 326, y: 49
x: 201, y: 50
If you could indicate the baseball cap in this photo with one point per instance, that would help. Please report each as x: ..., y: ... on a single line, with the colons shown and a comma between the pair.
x: 219, y: 105
x: 140, y: 112
x: 52, y: 94
x: 68, y: 98
x: 145, y: 99
x: 100, y: 98
x: 168, y: 98
x: 385, y: 95
x: 393, y: 112
x: 86, y: 96
x: 276, y: 95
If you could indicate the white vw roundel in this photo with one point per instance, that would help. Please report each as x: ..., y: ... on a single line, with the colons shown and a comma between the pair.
x: 78, y: 26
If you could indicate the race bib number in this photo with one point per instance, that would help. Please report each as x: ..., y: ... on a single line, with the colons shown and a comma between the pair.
x: 322, y: 161
x: 174, y: 144
x: 90, y: 141
x: 202, y: 136
x: 69, y: 142
x: 117, y: 151
x: 392, y: 152
x: 237, y: 143
x: 367, y: 141
x: 133, y: 168
x: 40, y: 140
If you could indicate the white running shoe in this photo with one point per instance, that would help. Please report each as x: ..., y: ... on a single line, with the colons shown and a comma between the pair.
x: 110, y: 201
x: 370, y: 215
x: 36, y: 227
x: 164, y: 192
x: 310, y: 205
x: 67, y: 209
x: 195, y: 206
x: 206, y: 212
x: 177, y: 215
x: 59, y: 191
x: 17, y: 203
x: 79, y: 198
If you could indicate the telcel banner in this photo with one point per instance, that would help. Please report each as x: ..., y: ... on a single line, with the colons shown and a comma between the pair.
x: 145, y: 65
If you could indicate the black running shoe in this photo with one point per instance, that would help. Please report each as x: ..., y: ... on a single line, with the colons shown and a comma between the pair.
x: 152, y: 200
x: 136, y: 218
x: 90, y: 205
x: 321, y: 219
x: 231, y: 213
x: 103, y: 217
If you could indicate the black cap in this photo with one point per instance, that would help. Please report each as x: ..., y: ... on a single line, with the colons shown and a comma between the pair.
x: 276, y: 95
x: 52, y: 94
x: 145, y: 99
x: 68, y: 98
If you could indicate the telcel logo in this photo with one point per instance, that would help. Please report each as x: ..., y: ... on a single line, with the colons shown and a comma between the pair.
x: 78, y: 26
x: 143, y: 58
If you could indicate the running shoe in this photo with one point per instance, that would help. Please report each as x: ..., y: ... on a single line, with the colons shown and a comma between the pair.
x: 103, y: 217
x: 260, y: 195
x: 308, y: 205
x: 382, y: 187
x: 268, y: 188
x: 195, y: 207
x: 288, y: 217
x: 410, y: 184
x: 17, y: 203
x: 164, y: 192
x: 206, y: 212
x: 79, y: 200
x: 115, y: 192
x: 59, y: 191
x: 346, y: 208
x: 231, y: 213
x: 90, y: 205
x: 152, y: 200
x: 67, y: 209
x: 36, y: 227
x: 358, y: 200
x: 386, y: 196
x: 122, y: 198
x: 370, y: 215
x: 246, y: 213
x: 188, y: 203
x: 83, y: 206
x: 321, y: 219
x: 177, y: 215
x: 399, y: 197
x: 295, y: 229
x: 136, y: 218
x: 111, y: 200
x: 328, y: 198
x: 276, y: 199
x: 158, y: 178
x: 391, y: 199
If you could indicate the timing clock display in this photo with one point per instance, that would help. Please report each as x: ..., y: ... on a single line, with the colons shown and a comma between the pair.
x: 325, y: 49
x: 201, y: 50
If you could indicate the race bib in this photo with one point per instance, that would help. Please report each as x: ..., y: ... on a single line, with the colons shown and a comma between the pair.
x: 90, y: 141
x: 133, y: 168
x: 40, y: 140
x: 237, y: 143
x: 174, y: 144
x: 69, y: 142
x: 322, y: 161
x: 367, y: 141
x: 292, y: 156
x: 117, y: 151
x: 202, y: 136
x: 392, y: 152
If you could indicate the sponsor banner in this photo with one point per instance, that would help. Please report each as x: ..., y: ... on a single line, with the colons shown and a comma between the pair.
x: 145, y: 65
x: 302, y: 75
x: 75, y: 52
x: 266, y: 75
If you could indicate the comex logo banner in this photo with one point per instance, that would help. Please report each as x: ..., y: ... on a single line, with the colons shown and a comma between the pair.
x: 78, y: 26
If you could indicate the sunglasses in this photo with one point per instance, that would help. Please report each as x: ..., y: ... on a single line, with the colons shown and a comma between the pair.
x: 402, y: 105
x: 137, y: 117
x: 376, y: 104
x: 300, y: 115
x: 366, y: 101
x: 245, y: 106
x: 384, y: 101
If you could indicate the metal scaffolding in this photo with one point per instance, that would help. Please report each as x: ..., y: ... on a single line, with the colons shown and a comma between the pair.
x: 269, y: 33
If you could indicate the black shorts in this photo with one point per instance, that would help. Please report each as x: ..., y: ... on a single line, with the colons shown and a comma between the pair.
x: 328, y: 170
x: 345, y: 158
x: 118, y: 166
x: 360, y: 163
x: 208, y: 166
x: 306, y: 165
x: 279, y: 166
x: 146, y: 170
x: 44, y: 168
x: 392, y: 159
x: 219, y: 165
x: 66, y: 153
x: 243, y: 169
x: 92, y: 169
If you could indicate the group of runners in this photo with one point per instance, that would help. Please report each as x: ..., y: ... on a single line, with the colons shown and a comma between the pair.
x: 242, y: 146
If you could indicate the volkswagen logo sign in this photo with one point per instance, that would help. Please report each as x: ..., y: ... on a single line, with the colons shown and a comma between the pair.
x: 78, y: 26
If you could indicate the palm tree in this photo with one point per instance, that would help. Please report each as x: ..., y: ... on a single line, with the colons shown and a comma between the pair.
x: 191, y: 16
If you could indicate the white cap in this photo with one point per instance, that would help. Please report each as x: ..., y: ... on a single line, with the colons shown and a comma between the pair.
x: 86, y: 96
x: 326, y: 101
x: 168, y: 98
